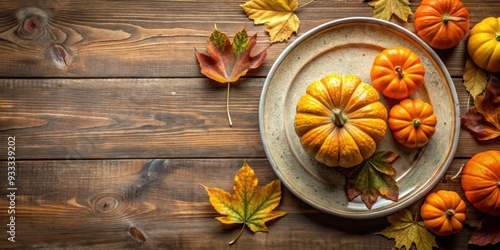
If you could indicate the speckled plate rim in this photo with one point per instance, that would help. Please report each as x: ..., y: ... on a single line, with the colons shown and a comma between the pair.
x: 402, y: 203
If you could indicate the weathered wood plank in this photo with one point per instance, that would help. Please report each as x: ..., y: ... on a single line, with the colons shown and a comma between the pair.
x: 143, y: 118
x: 154, y: 38
x: 75, y: 203
x: 128, y: 118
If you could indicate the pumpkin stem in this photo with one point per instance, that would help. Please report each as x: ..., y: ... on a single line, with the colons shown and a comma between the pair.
x: 449, y: 213
x: 497, y: 36
x: 338, y: 119
x: 447, y: 17
x: 399, y: 72
x: 416, y: 123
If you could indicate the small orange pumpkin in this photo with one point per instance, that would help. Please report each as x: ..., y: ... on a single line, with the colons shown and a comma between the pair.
x: 339, y: 120
x: 443, y: 212
x: 412, y: 122
x: 441, y: 23
x: 397, y: 72
x: 481, y: 181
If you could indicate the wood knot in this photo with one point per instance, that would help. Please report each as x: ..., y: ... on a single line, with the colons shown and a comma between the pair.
x: 32, y: 25
x: 137, y: 234
x: 106, y: 203
x: 32, y: 22
x: 60, y: 56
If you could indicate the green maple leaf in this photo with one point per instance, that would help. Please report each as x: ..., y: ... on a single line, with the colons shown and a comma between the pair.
x: 384, y: 9
x: 406, y: 231
x: 372, y: 178
x: 248, y: 204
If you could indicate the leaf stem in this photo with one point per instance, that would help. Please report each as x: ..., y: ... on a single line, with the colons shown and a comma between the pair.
x: 227, y: 105
x: 303, y: 5
x: 419, y: 206
x: 238, y: 236
x: 458, y: 173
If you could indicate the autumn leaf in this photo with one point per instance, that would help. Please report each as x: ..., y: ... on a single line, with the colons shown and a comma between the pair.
x: 384, y: 9
x: 406, y: 231
x: 248, y: 204
x: 487, y: 233
x: 372, y: 178
x: 483, y: 120
x: 226, y: 62
x: 475, y: 78
x: 478, y: 126
x: 277, y: 15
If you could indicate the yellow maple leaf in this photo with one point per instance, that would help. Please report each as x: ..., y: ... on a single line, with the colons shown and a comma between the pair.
x: 248, y: 204
x: 475, y: 78
x: 406, y: 231
x: 278, y: 16
x: 383, y: 9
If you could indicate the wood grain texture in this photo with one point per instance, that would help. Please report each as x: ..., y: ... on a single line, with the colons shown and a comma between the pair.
x: 143, y: 118
x: 96, y: 203
x: 116, y: 129
x: 129, y: 118
x: 154, y: 38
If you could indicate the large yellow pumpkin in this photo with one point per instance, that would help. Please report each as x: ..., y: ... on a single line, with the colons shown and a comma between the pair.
x: 339, y: 120
x: 484, y: 44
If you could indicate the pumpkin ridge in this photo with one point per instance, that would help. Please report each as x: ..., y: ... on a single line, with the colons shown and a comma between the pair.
x: 366, y: 125
x: 496, y: 51
x: 492, y: 174
x: 316, y: 91
x: 315, y: 106
x: 485, y: 193
x: 330, y: 102
x: 329, y: 147
x: 346, y: 97
x: 366, y: 140
x: 316, y: 139
x: 343, y: 150
x: 485, y: 174
x: 364, y: 95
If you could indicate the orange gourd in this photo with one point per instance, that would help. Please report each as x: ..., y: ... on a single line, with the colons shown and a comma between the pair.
x: 339, y: 120
x: 441, y: 23
x: 397, y: 72
x: 484, y: 44
x: 443, y: 212
x: 412, y: 122
x: 481, y: 181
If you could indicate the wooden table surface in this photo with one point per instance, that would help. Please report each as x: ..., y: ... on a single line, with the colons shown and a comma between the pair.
x: 116, y: 128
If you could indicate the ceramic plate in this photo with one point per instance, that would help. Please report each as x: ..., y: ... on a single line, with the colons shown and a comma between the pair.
x: 349, y: 46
